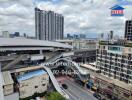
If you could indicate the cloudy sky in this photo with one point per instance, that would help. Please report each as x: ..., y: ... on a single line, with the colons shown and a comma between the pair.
x: 81, y: 16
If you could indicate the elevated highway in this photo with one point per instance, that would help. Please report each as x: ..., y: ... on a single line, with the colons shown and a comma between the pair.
x: 55, y: 83
x: 83, y: 75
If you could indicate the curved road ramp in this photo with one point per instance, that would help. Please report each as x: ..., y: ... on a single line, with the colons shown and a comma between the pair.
x: 55, y: 83
x: 83, y: 75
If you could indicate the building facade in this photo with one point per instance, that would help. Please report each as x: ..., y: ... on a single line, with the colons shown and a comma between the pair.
x: 5, y: 34
x: 84, y: 49
x: 8, y: 83
x: 114, y: 59
x: 48, y: 25
x: 28, y: 86
x: 128, y: 30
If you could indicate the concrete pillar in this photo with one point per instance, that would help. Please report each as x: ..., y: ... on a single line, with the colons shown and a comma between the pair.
x: 40, y: 52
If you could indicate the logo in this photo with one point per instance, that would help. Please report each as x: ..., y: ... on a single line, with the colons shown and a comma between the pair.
x: 117, y: 11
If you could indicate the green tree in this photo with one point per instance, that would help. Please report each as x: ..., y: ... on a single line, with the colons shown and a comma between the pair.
x: 55, y: 96
x: 130, y: 98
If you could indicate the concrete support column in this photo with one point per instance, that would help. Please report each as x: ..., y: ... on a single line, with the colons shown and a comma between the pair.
x: 40, y: 52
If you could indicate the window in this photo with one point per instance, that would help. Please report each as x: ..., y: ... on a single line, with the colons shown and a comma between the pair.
x: 44, y: 78
x: 36, y: 86
x: 43, y: 84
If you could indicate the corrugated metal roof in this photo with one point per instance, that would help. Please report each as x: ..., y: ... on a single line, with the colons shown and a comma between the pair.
x: 7, y: 78
x: 30, y: 75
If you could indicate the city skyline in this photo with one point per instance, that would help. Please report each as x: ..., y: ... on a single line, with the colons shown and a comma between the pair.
x: 81, y: 19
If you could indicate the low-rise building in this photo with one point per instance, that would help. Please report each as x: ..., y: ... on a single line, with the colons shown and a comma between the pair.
x: 84, y: 49
x: 8, y: 83
x: 5, y: 34
x: 33, y: 82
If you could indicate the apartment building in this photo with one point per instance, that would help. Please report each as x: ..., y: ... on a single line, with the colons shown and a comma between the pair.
x: 114, y: 59
x: 128, y: 30
x: 48, y: 25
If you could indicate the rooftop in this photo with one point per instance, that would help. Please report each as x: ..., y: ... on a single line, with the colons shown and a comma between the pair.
x: 117, y: 43
x: 117, y: 7
x: 23, y: 42
x: 7, y: 79
x: 88, y: 66
x: 31, y: 75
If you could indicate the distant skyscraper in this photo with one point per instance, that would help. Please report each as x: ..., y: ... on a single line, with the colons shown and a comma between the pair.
x: 68, y: 36
x: 111, y: 35
x: 76, y: 36
x: 128, y: 30
x: 16, y: 34
x: 48, y: 25
x: 5, y: 34
x: 82, y: 36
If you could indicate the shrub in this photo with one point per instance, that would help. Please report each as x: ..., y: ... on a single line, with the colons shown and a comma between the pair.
x: 55, y: 96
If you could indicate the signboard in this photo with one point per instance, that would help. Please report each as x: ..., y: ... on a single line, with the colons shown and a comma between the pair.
x: 117, y: 11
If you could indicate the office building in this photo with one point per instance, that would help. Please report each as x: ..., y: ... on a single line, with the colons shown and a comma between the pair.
x: 16, y: 34
x: 69, y: 36
x: 75, y: 36
x: 5, y: 34
x: 128, y: 30
x: 111, y: 35
x: 114, y: 59
x: 84, y: 50
x: 82, y: 36
x: 48, y: 25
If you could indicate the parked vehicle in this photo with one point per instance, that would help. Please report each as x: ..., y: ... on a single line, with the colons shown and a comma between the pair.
x: 64, y: 86
x: 96, y: 95
x: 94, y: 88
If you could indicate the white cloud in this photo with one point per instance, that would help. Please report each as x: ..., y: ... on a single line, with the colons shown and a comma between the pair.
x: 82, y: 16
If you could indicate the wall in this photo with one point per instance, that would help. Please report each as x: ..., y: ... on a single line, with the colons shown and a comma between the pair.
x: 8, y: 89
x: 30, y: 86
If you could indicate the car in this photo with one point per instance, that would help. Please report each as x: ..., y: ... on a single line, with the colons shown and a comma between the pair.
x: 96, y: 95
x: 94, y: 88
x: 64, y: 86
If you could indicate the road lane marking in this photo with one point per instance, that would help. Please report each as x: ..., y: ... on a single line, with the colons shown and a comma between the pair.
x: 71, y: 95
x: 79, y: 87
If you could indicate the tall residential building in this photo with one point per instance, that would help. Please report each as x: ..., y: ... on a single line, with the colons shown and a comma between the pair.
x: 48, y: 25
x: 128, y: 30
x: 114, y: 59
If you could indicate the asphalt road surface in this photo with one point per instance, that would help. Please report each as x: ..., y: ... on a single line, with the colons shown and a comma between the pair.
x: 77, y: 93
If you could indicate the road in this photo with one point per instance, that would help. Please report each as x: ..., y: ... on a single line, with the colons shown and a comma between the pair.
x: 77, y: 93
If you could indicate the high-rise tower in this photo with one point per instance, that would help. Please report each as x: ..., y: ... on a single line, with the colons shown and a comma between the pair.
x: 48, y: 25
